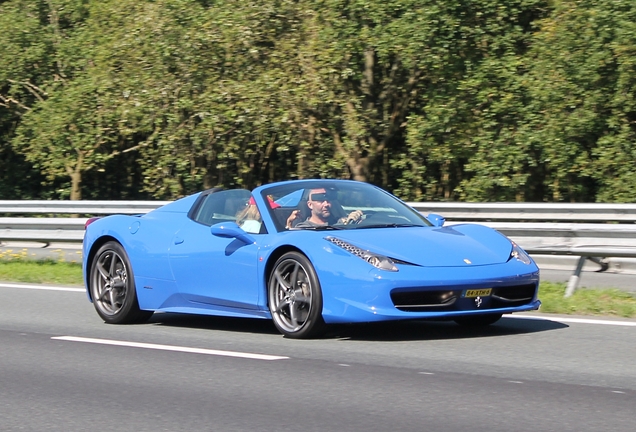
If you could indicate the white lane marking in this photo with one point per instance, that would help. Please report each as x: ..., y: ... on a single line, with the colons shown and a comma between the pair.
x: 41, y: 287
x: 575, y: 320
x: 170, y: 348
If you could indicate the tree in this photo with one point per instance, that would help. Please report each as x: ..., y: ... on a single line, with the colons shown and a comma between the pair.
x: 582, y: 88
x: 26, y: 51
x: 463, y: 140
x: 359, y: 68
x: 39, y: 45
x: 457, y: 100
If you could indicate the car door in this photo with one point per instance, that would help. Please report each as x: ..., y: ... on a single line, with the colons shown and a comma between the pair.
x: 214, y: 270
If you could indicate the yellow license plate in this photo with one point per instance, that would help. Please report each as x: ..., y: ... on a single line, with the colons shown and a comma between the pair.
x: 478, y: 292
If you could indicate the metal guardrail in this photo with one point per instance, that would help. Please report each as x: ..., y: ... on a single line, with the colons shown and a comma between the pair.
x: 553, y: 212
x: 581, y: 230
x: 92, y: 208
x: 48, y: 227
x: 41, y: 229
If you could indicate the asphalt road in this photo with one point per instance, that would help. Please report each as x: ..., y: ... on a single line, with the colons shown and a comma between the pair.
x: 62, y: 368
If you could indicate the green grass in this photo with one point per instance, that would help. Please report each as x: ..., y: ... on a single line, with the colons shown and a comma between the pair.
x: 599, y: 302
x: 45, y: 272
x: 602, y: 302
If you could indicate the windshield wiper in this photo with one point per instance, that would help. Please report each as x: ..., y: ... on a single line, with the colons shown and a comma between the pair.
x: 319, y: 228
x: 391, y: 225
x: 325, y: 228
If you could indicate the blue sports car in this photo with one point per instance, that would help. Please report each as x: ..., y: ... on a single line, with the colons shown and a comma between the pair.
x: 304, y: 253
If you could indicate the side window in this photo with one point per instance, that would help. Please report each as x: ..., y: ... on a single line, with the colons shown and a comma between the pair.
x: 221, y: 206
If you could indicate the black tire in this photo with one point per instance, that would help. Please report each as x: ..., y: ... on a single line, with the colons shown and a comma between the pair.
x: 295, y: 297
x: 112, y: 286
x: 478, y: 320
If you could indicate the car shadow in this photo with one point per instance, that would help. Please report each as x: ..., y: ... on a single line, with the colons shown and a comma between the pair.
x: 390, y: 331
x: 399, y: 331
x: 209, y: 322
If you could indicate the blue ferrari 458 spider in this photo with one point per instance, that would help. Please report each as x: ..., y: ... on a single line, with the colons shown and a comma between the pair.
x: 304, y: 253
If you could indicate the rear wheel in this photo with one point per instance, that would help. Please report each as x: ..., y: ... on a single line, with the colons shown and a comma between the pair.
x: 478, y: 320
x: 295, y: 298
x: 112, y: 286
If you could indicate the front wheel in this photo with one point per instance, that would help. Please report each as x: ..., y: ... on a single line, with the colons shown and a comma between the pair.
x: 478, y: 320
x: 295, y: 298
x: 112, y: 286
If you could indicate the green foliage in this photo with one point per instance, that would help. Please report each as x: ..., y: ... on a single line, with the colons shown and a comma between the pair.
x: 582, y: 89
x: 489, y: 100
x: 462, y: 140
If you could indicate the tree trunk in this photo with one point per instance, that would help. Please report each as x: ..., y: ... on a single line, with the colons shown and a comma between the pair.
x: 75, y: 173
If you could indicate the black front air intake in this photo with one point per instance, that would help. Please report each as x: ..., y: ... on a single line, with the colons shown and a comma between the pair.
x: 425, y: 299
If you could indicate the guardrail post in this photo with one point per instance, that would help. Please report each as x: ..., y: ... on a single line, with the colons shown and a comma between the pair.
x: 573, y: 283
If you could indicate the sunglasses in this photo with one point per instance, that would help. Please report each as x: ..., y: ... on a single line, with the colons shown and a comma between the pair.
x: 322, y: 196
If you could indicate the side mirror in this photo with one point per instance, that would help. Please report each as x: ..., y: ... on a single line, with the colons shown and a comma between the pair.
x: 231, y: 230
x: 436, y: 220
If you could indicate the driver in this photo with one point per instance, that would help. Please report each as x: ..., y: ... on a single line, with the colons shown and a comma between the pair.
x: 319, y: 203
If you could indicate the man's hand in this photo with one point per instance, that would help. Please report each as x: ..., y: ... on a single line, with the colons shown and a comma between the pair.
x: 292, y: 217
x: 354, y: 217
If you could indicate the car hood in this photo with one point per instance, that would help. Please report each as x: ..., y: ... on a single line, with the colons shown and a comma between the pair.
x: 453, y: 246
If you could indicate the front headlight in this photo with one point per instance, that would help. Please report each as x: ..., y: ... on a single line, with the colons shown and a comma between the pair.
x: 520, y: 254
x: 376, y: 260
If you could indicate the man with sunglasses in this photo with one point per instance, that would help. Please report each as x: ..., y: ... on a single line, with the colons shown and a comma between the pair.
x: 319, y: 204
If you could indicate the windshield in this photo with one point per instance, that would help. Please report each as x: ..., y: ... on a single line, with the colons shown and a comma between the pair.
x: 332, y: 204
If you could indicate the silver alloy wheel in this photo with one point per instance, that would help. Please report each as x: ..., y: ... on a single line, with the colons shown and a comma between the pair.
x: 110, y: 283
x: 290, y: 295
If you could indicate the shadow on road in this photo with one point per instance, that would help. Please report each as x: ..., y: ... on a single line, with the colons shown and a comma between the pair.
x: 395, y: 331
x: 248, y: 325
x: 399, y: 331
